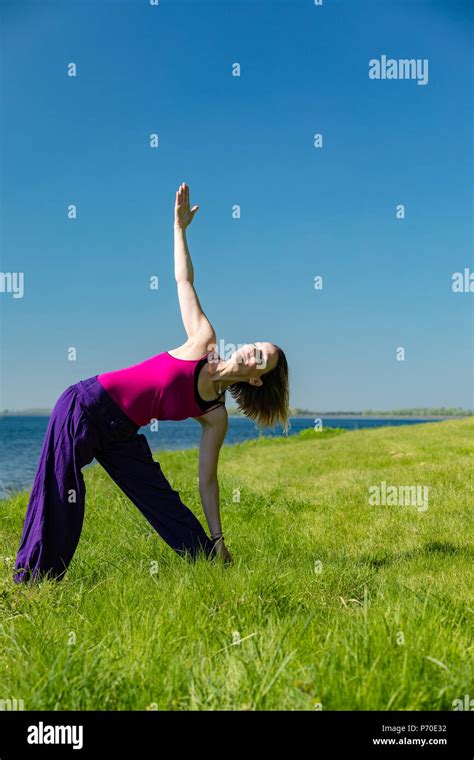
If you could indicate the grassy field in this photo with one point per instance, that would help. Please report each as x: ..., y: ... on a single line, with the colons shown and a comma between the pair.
x: 332, y: 603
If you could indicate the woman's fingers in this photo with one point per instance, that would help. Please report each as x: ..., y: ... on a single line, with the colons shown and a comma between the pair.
x: 182, y: 195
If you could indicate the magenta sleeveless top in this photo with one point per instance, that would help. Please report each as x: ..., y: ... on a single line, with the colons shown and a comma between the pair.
x: 160, y: 388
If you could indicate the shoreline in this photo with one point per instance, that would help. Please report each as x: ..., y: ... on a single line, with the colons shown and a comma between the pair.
x: 9, y: 491
x: 380, y: 416
x: 323, y: 416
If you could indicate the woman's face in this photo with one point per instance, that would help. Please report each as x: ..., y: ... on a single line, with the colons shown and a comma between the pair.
x: 254, y: 359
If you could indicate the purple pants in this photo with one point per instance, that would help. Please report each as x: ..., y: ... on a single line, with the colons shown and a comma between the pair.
x: 86, y: 423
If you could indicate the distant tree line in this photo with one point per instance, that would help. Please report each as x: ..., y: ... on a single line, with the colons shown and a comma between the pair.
x: 413, y: 412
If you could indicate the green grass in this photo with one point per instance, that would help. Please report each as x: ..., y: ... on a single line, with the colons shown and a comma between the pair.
x: 386, y: 624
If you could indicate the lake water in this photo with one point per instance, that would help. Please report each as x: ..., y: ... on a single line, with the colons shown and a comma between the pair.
x: 21, y: 439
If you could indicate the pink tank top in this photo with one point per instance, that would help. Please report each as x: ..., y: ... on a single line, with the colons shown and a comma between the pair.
x: 160, y: 388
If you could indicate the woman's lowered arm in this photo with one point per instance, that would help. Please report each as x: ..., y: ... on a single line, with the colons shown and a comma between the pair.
x: 214, y: 429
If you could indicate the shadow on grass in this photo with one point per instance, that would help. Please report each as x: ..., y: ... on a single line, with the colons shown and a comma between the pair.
x: 440, y: 548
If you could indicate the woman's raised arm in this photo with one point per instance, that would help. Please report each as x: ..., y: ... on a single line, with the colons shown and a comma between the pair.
x: 195, y: 321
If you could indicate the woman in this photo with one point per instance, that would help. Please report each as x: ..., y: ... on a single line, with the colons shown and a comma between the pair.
x: 100, y: 417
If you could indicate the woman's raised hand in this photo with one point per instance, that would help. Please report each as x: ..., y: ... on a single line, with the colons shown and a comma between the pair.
x: 183, y: 214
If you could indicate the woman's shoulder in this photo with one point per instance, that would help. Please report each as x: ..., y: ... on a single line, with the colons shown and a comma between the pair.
x: 195, y: 349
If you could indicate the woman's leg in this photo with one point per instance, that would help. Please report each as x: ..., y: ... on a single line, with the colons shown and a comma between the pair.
x: 86, y: 423
x: 131, y: 465
x: 55, y: 512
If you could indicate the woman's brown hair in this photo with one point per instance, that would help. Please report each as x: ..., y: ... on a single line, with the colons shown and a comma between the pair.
x: 267, y: 404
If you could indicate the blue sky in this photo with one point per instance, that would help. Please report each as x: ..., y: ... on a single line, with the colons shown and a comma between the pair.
x: 247, y: 141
